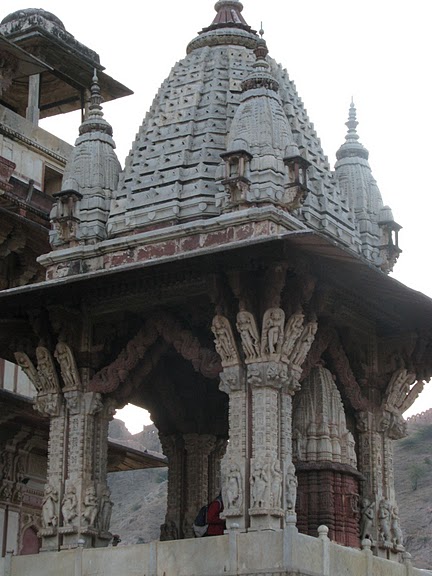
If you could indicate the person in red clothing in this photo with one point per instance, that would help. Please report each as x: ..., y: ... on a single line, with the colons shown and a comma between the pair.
x: 216, y: 525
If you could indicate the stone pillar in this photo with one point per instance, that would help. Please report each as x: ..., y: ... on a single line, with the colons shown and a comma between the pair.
x: 32, y: 112
x: 49, y: 402
x: 258, y: 480
x: 377, y: 431
x: 173, y: 448
x: 214, y: 471
x: 76, y: 503
x: 198, y: 447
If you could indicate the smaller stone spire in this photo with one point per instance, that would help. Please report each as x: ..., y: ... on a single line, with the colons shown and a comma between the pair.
x: 352, y: 146
x: 261, y: 77
x: 89, y: 181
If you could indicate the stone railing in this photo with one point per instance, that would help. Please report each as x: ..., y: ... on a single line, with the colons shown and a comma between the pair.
x: 269, y: 553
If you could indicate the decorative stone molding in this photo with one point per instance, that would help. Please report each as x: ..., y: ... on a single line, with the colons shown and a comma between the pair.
x: 185, y: 343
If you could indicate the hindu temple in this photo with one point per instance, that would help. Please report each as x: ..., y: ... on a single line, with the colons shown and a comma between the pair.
x: 229, y: 281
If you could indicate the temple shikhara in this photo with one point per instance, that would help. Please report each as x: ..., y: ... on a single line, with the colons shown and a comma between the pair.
x: 228, y: 281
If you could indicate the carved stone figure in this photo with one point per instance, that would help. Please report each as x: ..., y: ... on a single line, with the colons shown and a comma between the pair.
x: 49, y: 505
x: 234, y: 489
x: 384, y: 517
x: 69, y: 370
x: 293, y: 331
x: 259, y: 486
x: 246, y: 326
x: 367, y: 519
x: 291, y: 484
x: 105, y: 509
x: 46, y: 370
x: 29, y: 370
x: 276, y: 484
x: 90, y: 511
x: 272, y: 335
x: 69, y: 506
x: 396, y: 532
x: 224, y: 340
x: 303, y: 344
x: 254, y: 375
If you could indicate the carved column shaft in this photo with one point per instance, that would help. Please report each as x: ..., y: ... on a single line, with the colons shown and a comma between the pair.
x: 198, y: 448
x: 173, y: 448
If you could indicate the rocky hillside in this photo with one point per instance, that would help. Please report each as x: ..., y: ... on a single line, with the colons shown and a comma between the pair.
x: 413, y: 479
x: 140, y: 496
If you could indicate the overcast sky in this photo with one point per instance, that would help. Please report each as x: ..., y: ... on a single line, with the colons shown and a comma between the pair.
x: 376, y: 51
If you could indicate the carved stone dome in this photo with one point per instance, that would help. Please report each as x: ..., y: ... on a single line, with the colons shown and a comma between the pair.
x: 27, y: 13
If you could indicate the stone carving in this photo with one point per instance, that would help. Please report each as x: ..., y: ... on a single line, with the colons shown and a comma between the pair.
x: 90, y: 511
x: 293, y: 331
x: 230, y: 381
x: 69, y: 506
x: 367, y: 521
x: 384, y: 518
x: 254, y: 377
x: 46, y: 370
x: 248, y: 331
x: 291, y: 484
x: 49, y: 507
x: 272, y: 333
x: 29, y: 370
x: 185, y: 343
x: 260, y: 484
x: 224, y: 341
x: 319, y: 422
x: 68, y: 367
x: 48, y: 404
x: 398, y: 396
x: 396, y: 532
x: 105, y: 509
x: 234, y: 489
x: 276, y: 484
x: 304, y: 344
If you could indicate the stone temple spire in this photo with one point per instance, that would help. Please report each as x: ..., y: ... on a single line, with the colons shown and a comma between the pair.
x: 262, y: 159
x: 89, y: 181
x: 354, y: 174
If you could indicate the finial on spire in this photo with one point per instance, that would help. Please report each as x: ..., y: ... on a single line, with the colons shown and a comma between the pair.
x: 261, y: 31
x: 352, y: 122
x: 96, y: 99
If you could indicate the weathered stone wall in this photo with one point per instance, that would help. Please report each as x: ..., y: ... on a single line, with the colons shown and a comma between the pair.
x: 285, y: 553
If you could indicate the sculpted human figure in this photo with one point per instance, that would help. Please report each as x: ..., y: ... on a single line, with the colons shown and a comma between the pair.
x: 384, y: 512
x: 293, y: 331
x: 223, y: 340
x: 105, y: 509
x: 234, y: 491
x: 367, y: 519
x: 90, y: 511
x: 273, y: 330
x: 68, y: 366
x: 260, y: 481
x: 291, y: 484
x: 303, y: 345
x: 276, y: 484
x: 49, y: 504
x: 69, y: 506
x: 396, y: 532
x: 46, y: 370
x: 248, y: 334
